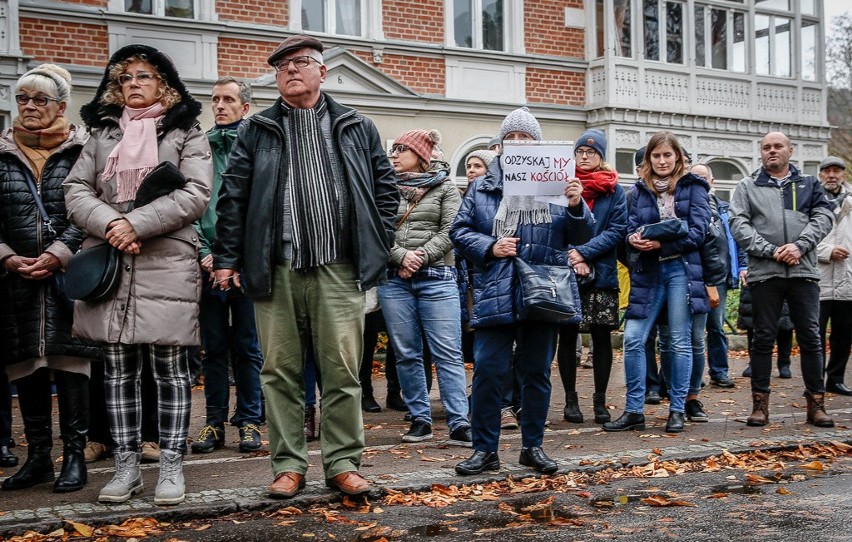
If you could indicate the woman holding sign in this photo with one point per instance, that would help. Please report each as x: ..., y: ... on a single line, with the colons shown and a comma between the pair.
x: 491, y: 230
x: 594, y: 260
x: 666, y: 224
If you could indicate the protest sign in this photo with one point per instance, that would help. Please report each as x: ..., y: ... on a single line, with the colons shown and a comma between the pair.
x: 538, y: 168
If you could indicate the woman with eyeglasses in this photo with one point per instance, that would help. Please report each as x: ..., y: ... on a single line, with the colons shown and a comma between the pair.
x: 143, y: 117
x: 421, y: 300
x: 36, y: 241
x: 595, y: 259
x: 667, y: 275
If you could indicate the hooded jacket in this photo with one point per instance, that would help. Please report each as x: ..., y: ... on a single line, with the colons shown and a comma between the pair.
x: 156, y: 300
x: 765, y: 216
x: 835, y: 283
x: 34, y: 321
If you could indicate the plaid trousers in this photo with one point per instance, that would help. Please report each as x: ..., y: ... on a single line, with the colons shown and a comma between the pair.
x: 170, y: 366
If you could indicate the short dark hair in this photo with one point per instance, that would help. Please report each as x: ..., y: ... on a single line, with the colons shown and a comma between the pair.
x: 245, y: 89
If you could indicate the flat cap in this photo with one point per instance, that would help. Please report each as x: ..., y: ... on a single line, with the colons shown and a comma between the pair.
x: 293, y: 43
x: 832, y: 161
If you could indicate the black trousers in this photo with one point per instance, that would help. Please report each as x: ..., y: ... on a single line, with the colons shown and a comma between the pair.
x: 802, y: 296
x: 5, y: 409
x: 839, y: 313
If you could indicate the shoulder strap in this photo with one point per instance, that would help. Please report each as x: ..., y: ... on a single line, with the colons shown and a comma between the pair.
x: 34, y: 191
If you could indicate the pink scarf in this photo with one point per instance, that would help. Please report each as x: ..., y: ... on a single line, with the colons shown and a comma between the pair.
x: 137, y: 153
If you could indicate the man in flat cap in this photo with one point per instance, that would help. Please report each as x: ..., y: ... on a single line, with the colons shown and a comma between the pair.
x: 835, y: 267
x: 307, y: 213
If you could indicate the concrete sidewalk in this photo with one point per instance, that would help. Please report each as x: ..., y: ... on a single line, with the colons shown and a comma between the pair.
x: 227, y: 481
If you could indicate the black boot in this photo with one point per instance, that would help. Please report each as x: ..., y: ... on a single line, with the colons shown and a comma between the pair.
x: 35, y: 402
x: 572, y: 413
x: 601, y: 411
x: 73, y: 396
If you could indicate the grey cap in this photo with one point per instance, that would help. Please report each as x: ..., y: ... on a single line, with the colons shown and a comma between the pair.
x: 293, y: 43
x: 832, y: 161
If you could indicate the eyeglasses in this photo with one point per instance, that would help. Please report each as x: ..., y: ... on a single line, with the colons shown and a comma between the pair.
x: 299, y: 61
x: 585, y: 152
x: 142, y: 78
x: 399, y: 149
x: 39, y: 101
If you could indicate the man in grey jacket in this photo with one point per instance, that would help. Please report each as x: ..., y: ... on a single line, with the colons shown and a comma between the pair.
x: 779, y: 216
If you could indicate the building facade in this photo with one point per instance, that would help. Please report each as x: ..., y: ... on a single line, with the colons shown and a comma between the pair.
x: 719, y: 73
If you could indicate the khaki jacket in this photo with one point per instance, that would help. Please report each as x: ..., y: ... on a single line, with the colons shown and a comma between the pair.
x: 835, y: 282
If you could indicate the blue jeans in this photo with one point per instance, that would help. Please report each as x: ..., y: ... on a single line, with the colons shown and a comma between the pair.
x: 227, y: 323
x: 717, y: 341
x: 418, y: 307
x: 673, y: 292
x: 699, y: 322
x: 492, y: 347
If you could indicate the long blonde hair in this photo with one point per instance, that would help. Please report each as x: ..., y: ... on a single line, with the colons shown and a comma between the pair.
x: 646, y: 170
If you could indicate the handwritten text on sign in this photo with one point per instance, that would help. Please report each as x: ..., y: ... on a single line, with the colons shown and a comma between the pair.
x: 537, y: 168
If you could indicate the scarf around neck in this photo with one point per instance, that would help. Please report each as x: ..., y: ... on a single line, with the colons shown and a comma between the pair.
x: 516, y: 210
x: 413, y: 186
x: 137, y: 153
x: 596, y: 184
x: 38, y: 145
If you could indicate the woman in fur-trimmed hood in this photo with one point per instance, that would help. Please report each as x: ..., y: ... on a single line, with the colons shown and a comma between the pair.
x: 143, y: 118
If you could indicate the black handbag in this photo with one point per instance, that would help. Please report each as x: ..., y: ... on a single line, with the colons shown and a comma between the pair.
x: 92, y: 273
x: 665, y: 230
x: 546, y: 293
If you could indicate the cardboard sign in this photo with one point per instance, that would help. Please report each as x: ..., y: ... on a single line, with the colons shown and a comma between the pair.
x: 538, y: 168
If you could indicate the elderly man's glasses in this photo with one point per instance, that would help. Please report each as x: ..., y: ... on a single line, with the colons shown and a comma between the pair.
x: 142, y: 78
x: 39, y: 101
x: 299, y: 62
x: 399, y: 149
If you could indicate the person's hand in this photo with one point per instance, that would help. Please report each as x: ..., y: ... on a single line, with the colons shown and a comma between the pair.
x: 575, y: 257
x: 838, y: 254
x: 405, y: 273
x: 744, y: 277
x: 207, y: 263
x: 225, y: 278
x: 582, y: 269
x: 574, y: 191
x: 505, y: 247
x: 644, y: 245
x: 14, y: 264
x: 413, y: 261
x: 788, y: 254
x: 713, y: 296
x: 122, y: 236
x: 41, y: 268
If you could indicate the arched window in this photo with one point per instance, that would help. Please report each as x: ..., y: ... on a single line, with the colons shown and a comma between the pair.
x: 458, y: 165
x: 727, y: 174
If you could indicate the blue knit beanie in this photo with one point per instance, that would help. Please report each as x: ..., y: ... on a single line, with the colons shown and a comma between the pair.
x: 594, y: 139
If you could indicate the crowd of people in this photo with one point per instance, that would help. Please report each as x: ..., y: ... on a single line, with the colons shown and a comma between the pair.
x: 260, y: 242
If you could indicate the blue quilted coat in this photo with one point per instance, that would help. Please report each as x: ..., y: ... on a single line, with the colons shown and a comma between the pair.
x: 691, y: 203
x: 494, y: 278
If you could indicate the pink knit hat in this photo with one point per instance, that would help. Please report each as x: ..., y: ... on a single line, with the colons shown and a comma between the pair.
x: 420, y: 141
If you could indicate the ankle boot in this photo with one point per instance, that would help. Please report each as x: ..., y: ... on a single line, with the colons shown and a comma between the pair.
x: 35, y: 402
x: 601, y: 411
x: 816, y: 410
x: 170, y: 486
x: 760, y: 409
x: 571, y: 412
x: 310, y: 423
x: 73, y: 397
x: 127, y: 480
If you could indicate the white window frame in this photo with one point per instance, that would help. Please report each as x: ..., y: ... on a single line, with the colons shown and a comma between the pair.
x: 513, y: 26
x: 371, y: 19
x: 729, y: 37
x: 795, y: 42
x: 662, y: 31
x: 202, y: 10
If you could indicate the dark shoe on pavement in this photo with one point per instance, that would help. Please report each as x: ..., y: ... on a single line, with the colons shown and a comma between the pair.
x: 675, y: 423
x: 784, y: 371
x: 838, y: 387
x: 418, y: 432
x: 369, y: 404
x: 723, y: 381
x: 602, y: 414
x: 351, y: 483
x: 535, y: 458
x: 747, y: 372
x: 571, y: 412
x: 653, y: 398
x: 478, y: 463
x: 211, y: 438
x: 816, y: 410
x: 695, y: 411
x: 461, y: 436
x: 760, y: 409
x: 629, y: 421
x: 249, y: 438
x: 395, y: 402
x: 311, y: 432
x: 286, y: 485
x: 37, y: 469
x: 7, y: 458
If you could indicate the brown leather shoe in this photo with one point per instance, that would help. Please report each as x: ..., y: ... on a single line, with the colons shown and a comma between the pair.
x: 760, y: 415
x: 350, y: 483
x: 816, y: 410
x: 286, y: 485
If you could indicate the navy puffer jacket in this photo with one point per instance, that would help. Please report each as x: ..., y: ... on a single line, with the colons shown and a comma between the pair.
x: 494, y: 278
x: 610, y: 212
x: 691, y: 203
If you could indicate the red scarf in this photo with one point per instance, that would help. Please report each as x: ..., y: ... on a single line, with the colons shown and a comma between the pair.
x: 596, y: 184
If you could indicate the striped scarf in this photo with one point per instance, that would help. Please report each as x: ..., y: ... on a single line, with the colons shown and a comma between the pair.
x: 314, y: 199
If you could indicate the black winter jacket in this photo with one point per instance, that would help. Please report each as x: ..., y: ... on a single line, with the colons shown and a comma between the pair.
x: 33, y: 321
x: 249, y: 228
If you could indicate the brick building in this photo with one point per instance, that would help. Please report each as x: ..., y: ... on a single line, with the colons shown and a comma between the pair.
x: 719, y: 73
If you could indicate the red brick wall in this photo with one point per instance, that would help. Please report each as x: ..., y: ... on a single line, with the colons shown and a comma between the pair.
x: 545, y: 29
x: 421, y: 20
x: 65, y: 43
x: 421, y: 74
x: 244, y: 58
x: 254, y: 11
x: 556, y: 87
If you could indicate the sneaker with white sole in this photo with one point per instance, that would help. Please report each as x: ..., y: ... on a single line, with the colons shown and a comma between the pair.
x: 461, y: 436
x: 419, y: 432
